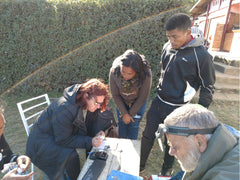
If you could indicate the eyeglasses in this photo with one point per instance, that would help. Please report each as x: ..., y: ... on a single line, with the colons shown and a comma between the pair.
x: 95, y: 102
x: 175, y: 147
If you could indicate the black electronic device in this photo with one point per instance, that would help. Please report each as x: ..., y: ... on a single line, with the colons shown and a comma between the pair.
x: 94, y: 170
x: 98, y: 155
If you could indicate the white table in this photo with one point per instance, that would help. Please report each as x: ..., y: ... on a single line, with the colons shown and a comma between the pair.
x: 123, y: 155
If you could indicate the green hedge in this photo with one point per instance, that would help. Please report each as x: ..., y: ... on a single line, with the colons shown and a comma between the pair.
x: 35, y: 33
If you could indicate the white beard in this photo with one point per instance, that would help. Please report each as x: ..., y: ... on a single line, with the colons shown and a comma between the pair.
x: 190, y: 162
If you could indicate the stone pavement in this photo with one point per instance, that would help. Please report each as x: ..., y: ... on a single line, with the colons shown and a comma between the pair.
x: 227, y: 76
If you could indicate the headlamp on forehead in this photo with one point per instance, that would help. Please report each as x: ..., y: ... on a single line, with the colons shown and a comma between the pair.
x: 180, y: 131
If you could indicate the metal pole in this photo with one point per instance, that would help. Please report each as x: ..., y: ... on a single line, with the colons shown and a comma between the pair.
x: 225, y: 26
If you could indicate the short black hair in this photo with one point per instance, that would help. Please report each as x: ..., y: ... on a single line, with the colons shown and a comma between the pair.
x: 179, y: 21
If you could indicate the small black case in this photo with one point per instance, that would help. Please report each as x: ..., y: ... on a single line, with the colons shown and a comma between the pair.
x: 98, y: 155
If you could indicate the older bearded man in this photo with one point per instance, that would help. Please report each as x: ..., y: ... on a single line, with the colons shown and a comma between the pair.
x: 204, y: 147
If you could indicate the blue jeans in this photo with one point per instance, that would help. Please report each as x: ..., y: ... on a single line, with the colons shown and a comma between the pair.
x: 130, y: 131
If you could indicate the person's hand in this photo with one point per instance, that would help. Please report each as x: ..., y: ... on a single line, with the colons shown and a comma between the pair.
x: 23, y: 162
x: 101, y: 134
x: 96, y: 141
x: 127, y: 118
x: 12, y: 175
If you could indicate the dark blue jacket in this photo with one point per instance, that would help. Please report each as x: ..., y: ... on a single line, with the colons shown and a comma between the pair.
x: 61, y: 129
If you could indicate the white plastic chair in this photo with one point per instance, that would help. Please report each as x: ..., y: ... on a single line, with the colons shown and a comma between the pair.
x: 29, y: 110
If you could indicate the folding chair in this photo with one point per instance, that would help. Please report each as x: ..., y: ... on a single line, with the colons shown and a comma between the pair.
x: 29, y: 110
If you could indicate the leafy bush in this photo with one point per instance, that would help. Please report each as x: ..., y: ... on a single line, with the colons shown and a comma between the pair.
x: 35, y: 33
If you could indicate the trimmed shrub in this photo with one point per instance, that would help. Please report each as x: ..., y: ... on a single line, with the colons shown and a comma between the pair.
x: 35, y: 33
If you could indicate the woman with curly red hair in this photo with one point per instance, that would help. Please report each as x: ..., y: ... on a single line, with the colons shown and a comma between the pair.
x: 65, y: 125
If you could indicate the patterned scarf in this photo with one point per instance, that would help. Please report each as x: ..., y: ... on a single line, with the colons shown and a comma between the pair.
x: 128, y: 84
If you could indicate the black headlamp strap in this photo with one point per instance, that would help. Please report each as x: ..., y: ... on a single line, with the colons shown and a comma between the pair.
x: 180, y: 131
x: 185, y: 131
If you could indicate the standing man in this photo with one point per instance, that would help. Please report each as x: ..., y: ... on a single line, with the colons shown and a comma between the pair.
x: 196, y: 31
x: 186, y: 66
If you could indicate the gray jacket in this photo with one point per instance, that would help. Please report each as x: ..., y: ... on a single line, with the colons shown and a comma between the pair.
x: 220, y: 161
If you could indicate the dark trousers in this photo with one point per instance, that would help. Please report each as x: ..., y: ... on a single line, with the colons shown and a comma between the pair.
x: 70, y: 168
x: 155, y: 116
x: 73, y: 166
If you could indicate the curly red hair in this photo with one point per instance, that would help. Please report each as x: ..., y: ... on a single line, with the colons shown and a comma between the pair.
x: 93, y: 87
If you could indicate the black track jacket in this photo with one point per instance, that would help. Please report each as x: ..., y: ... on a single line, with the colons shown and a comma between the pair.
x: 183, y: 72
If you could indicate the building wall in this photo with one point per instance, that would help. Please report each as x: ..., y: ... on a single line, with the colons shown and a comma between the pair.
x: 215, y: 25
x: 234, y: 50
